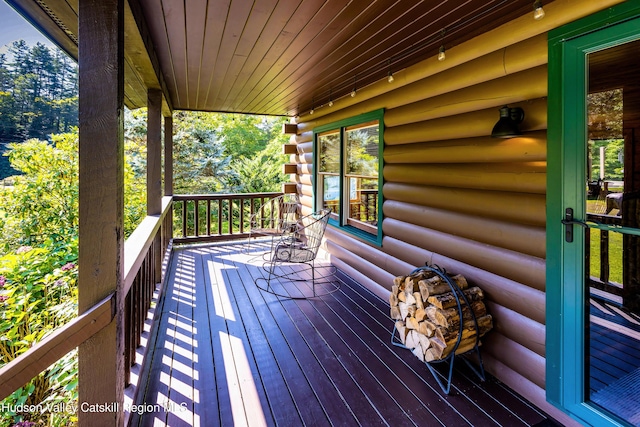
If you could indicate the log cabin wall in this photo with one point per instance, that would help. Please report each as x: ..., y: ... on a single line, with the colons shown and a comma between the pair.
x: 454, y: 196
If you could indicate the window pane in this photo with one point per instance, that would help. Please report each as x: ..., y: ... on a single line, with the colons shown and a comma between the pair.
x: 362, y: 150
x: 362, y: 175
x: 331, y: 193
x: 329, y: 146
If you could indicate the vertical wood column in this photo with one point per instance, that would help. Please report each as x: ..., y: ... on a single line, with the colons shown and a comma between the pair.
x: 168, y: 156
x: 101, y: 199
x: 154, y: 152
x: 168, y: 172
x: 154, y: 172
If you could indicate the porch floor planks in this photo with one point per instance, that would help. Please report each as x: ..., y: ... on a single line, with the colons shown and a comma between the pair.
x: 271, y: 373
x: 492, y: 407
x: 299, y: 385
x: 235, y: 365
x: 328, y: 397
x: 323, y: 361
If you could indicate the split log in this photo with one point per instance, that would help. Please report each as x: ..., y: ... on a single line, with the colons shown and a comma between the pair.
x: 411, y: 281
x: 411, y: 323
x: 464, y: 346
x: 448, y: 299
x: 419, y: 300
x: 436, y: 286
x: 404, y: 310
x: 402, y: 296
x: 450, y: 318
x: 427, y: 328
x: 417, y: 351
x: 436, y: 348
x: 411, y: 309
x: 393, y: 299
x: 413, y: 339
x: 409, y: 298
x: 395, y: 313
x: 485, y: 323
x: 402, y: 332
x: 420, y: 314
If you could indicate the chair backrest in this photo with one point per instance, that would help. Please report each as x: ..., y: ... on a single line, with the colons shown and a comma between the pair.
x: 279, y: 213
x: 313, y: 227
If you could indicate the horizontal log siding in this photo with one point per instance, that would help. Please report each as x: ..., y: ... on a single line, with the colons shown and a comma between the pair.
x: 454, y: 196
x: 460, y: 199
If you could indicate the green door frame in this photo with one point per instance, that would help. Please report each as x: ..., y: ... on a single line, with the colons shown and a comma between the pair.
x: 566, y: 182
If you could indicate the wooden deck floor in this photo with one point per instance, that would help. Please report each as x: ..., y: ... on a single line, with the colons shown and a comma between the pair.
x: 225, y: 353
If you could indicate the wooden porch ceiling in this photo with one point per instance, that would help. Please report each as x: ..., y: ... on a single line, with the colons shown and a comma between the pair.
x: 279, y: 57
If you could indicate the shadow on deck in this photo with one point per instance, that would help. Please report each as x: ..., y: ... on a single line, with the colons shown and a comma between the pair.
x: 225, y: 353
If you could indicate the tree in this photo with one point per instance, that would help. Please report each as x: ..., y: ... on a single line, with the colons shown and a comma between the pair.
x: 38, y: 94
x: 200, y: 165
x: 261, y: 172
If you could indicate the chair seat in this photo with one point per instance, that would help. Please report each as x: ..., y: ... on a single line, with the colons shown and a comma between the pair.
x: 293, y: 251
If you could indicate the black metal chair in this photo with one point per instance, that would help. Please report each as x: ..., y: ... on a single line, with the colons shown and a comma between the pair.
x: 300, y: 246
x: 274, y: 218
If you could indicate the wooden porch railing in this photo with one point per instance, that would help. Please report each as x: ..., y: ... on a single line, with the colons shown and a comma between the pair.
x: 142, y: 271
x: 215, y: 217
x: 602, y: 281
x: 200, y: 218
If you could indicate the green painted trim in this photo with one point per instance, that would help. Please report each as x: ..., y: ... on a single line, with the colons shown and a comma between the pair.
x: 566, y: 173
x: 351, y: 121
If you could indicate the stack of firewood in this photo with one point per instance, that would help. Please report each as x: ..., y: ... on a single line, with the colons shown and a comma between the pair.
x: 427, y: 315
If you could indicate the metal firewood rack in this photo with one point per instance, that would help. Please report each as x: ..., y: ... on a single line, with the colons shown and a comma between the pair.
x: 461, y: 299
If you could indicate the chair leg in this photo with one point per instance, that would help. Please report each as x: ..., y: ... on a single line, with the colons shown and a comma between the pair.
x: 313, y: 277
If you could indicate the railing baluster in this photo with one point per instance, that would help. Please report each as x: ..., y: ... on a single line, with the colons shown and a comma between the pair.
x: 128, y: 337
x: 604, y: 256
x: 230, y: 215
x: 241, y: 208
x: 184, y: 218
x: 208, y: 217
x: 196, y: 218
x: 219, y: 217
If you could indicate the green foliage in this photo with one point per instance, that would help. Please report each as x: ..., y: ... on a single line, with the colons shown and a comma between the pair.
x: 615, y: 255
x: 38, y: 95
x: 38, y: 293
x: 43, y: 203
x: 200, y: 164
x: 613, y: 168
x: 135, y: 169
x: 261, y: 172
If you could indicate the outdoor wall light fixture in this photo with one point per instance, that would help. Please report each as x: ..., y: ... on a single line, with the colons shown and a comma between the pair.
x: 538, y: 11
x: 507, y: 125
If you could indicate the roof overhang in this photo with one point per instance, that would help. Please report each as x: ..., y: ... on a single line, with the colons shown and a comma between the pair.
x: 273, y: 57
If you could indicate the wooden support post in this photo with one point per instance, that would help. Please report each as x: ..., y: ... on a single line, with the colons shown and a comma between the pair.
x: 154, y: 170
x: 154, y: 152
x: 168, y: 173
x: 101, y: 200
x: 168, y: 156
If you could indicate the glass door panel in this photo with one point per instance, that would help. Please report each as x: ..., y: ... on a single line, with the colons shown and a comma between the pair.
x: 612, y: 238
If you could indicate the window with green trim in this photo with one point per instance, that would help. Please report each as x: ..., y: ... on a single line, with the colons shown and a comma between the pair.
x: 349, y: 173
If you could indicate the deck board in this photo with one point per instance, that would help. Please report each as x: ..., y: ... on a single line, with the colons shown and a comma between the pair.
x: 231, y: 354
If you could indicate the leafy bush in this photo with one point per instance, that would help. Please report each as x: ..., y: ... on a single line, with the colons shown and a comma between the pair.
x: 38, y: 293
x: 43, y: 203
x: 38, y: 272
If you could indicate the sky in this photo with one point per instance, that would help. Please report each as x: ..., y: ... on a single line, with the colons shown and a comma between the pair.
x: 14, y: 27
